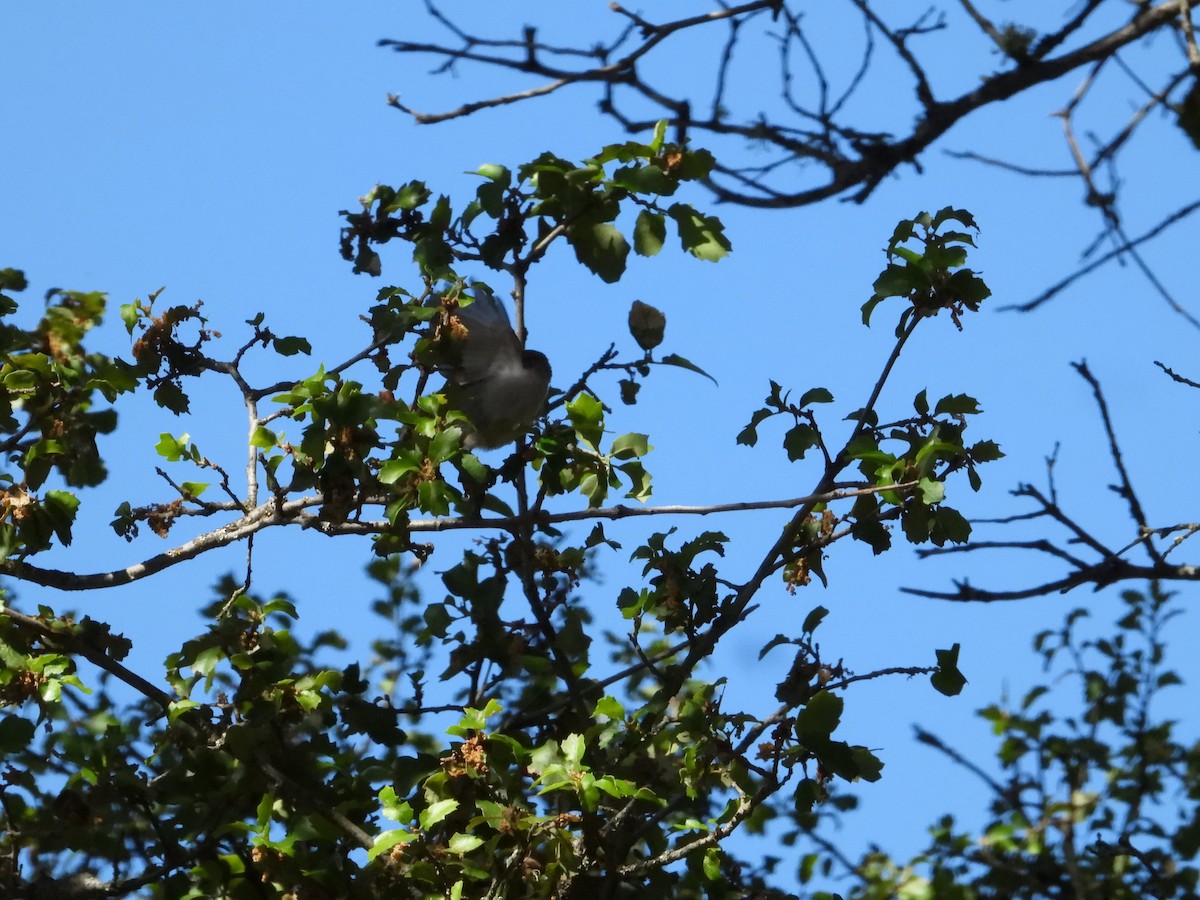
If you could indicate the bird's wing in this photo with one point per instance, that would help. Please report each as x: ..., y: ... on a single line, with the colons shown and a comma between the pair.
x: 490, y: 344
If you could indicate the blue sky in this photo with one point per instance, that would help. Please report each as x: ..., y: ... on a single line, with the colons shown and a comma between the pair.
x: 151, y: 146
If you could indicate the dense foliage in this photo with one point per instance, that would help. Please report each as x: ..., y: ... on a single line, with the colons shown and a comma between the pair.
x: 567, y: 769
x: 496, y: 740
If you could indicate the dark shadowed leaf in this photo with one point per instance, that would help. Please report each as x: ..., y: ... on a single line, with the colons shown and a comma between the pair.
x: 948, y: 679
x: 649, y: 233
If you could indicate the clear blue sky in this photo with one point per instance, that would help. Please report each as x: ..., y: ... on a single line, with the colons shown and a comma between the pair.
x: 151, y: 145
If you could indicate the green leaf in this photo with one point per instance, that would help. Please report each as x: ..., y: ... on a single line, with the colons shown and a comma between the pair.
x: 986, y: 451
x: 820, y: 716
x: 394, y: 469
x: 749, y: 434
x: 475, y: 719
x: 433, y: 255
x: 1168, y: 679
x: 702, y: 236
x: 587, y: 418
x: 441, y: 215
x: 934, y: 449
x: 694, y: 164
x: 179, y: 708
x: 494, y: 172
x: 712, y: 864
x: 207, y: 660
x: 620, y: 787
x: 573, y: 746
x: 957, y: 404
x: 597, y: 537
x: 649, y: 233
x: 968, y: 288
x: 601, y: 248
x: 873, y: 533
x: 630, y: 446
x: 644, y: 179
x: 170, y: 396
x: 389, y: 839
x: 193, y: 489
x: 444, y: 445
x: 12, y: 280
x: 629, y: 391
x: 639, y: 480
x: 932, y: 491
x: 475, y: 468
x: 463, y: 843
x: 15, y: 732
x: 870, y: 767
x: 869, y: 307
x: 628, y: 152
x: 437, y: 619
x: 950, y: 214
x: 813, y: 619
x: 21, y: 380
x: 672, y: 359
x: 290, y: 346
x: 815, y: 395
x: 949, y: 525
x: 660, y: 135
x: 172, y: 449
x: 436, y: 812
x: 60, y: 507
x: 409, y: 196
x: 594, y: 488
x: 490, y: 196
x: 900, y: 281
x: 610, y: 708
x: 948, y: 679
x: 263, y: 438
x: 799, y: 440
x: 281, y: 606
x: 435, y: 497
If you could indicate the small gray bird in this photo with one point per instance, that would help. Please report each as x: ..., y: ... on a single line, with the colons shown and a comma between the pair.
x: 499, y: 385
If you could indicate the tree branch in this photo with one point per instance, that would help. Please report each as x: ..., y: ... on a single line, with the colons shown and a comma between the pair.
x: 272, y: 513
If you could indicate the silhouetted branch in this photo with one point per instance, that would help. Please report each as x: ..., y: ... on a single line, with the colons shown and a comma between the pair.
x: 1176, y: 376
x: 1059, y: 287
x: 1126, y: 487
x: 1110, y: 565
x: 817, y: 147
x: 273, y: 513
x: 853, y: 157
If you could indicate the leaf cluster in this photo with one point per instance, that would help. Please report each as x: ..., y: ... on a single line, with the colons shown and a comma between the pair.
x: 55, y: 403
x: 546, y: 198
x: 1099, y: 800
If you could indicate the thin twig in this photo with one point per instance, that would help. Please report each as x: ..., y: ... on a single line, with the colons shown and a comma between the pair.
x: 1126, y: 489
x: 1062, y: 285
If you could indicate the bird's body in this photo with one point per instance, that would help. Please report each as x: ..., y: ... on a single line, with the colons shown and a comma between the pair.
x: 500, y: 386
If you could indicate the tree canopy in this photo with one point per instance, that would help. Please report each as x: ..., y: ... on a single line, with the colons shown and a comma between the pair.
x: 534, y: 718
